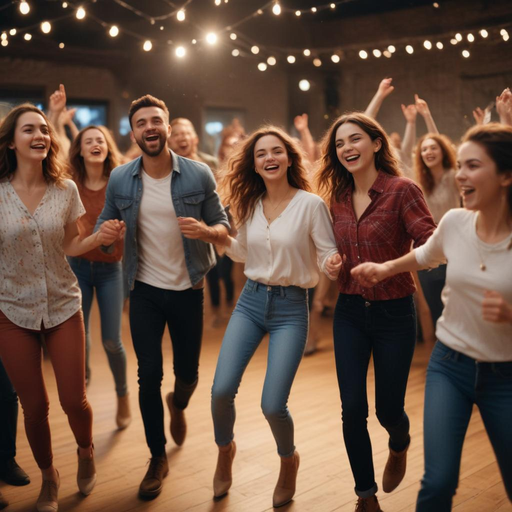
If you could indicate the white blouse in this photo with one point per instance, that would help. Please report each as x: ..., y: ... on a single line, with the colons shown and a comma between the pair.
x: 36, y: 283
x: 290, y: 250
x: 461, y: 326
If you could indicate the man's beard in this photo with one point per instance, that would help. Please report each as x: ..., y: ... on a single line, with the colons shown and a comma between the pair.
x: 155, y: 152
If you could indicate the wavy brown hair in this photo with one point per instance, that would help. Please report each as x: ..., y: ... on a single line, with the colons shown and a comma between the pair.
x: 496, y: 139
x: 54, y: 170
x: 241, y: 187
x: 76, y: 164
x: 423, y: 173
x: 333, y: 178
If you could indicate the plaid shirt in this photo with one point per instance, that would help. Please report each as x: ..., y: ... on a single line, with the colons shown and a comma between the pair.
x: 396, y: 216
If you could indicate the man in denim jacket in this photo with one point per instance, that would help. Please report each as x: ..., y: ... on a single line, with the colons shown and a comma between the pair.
x: 166, y: 202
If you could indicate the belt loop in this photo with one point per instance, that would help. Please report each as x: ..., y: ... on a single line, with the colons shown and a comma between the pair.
x: 282, y: 291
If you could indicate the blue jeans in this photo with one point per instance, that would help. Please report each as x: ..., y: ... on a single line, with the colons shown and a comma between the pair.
x: 386, y: 328
x: 283, y: 313
x: 455, y: 383
x: 107, y: 280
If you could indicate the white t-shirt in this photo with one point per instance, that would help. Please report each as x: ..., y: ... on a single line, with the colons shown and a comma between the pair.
x: 461, y: 327
x: 161, y: 261
x: 290, y: 250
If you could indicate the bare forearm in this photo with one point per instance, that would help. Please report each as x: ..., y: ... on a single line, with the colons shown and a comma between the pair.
x: 76, y: 246
x: 431, y: 125
x: 374, y: 106
x: 216, y: 235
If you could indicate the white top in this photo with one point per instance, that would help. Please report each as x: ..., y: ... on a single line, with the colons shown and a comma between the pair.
x: 461, y: 326
x: 36, y: 283
x: 444, y: 196
x: 290, y: 250
x: 161, y: 261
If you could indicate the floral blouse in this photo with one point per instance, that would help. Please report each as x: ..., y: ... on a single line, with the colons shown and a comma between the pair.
x: 37, y: 286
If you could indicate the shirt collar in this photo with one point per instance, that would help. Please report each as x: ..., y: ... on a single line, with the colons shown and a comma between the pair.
x: 174, y: 159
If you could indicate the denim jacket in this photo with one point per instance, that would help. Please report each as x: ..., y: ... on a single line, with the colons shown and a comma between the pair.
x: 193, y: 195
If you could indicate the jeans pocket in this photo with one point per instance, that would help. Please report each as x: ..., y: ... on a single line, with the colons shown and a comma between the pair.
x: 397, y: 311
x: 503, y: 370
x: 441, y: 352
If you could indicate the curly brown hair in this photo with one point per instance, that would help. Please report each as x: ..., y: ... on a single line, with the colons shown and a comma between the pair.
x: 241, y: 187
x: 76, y: 165
x: 332, y: 177
x: 496, y: 139
x: 54, y: 170
x: 423, y: 173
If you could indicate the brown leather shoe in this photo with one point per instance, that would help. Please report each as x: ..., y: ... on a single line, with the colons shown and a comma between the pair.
x: 151, y: 485
x: 3, y: 502
x: 223, y: 476
x: 123, y: 416
x: 368, y: 505
x: 285, y: 488
x: 394, y: 471
x: 178, y: 422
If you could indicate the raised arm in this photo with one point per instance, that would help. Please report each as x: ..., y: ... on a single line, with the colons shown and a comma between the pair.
x: 424, y: 111
x: 301, y: 124
x: 409, y: 139
x: 384, y: 90
x: 504, y: 106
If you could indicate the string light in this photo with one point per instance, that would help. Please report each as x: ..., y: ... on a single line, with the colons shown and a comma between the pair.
x: 313, y: 9
x: 470, y: 38
x: 453, y: 41
x: 235, y: 52
x: 458, y: 37
x: 377, y: 53
x: 391, y: 49
x: 291, y: 59
x: 271, y: 61
x: 217, y: 2
x: 276, y: 9
x: 363, y: 54
x: 262, y: 66
x: 255, y: 50
x: 387, y: 54
x: 504, y: 34
x: 64, y: 6
x: 61, y: 45
x: 233, y: 36
x: 180, y: 52
x: 298, y: 14
x: 439, y: 45
x: 335, y: 58
x: 427, y: 44
x: 12, y: 32
x: 307, y: 52
x: 180, y: 15
x: 114, y: 31
x: 27, y: 37
x: 465, y: 54
x: 211, y: 38
x: 80, y: 13
x: 409, y: 49
x: 484, y: 33
x: 24, y: 7
x: 147, y: 46
x: 3, y: 37
x: 304, y: 85
x: 4, y: 42
x: 333, y: 6
x: 317, y: 62
x: 46, y: 27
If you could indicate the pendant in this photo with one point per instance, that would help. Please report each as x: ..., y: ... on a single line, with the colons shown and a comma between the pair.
x: 482, y: 267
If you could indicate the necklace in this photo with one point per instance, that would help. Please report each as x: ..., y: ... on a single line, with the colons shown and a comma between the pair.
x: 274, y: 208
x: 483, y: 266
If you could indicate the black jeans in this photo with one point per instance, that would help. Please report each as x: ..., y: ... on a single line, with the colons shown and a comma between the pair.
x: 8, y: 415
x: 222, y: 271
x: 432, y: 284
x: 151, y: 309
x: 388, y: 330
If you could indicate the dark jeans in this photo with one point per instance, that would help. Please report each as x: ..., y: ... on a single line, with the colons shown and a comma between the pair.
x: 221, y: 271
x: 455, y: 383
x: 8, y: 415
x: 151, y: 309
x: 432, y: 284
x: 388, y: 330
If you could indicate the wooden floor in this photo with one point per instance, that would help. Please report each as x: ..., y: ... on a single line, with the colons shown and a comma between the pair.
x: 324, y: 483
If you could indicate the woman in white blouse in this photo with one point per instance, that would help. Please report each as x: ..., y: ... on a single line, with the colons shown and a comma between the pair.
x: 285, y: 236
x: 471, y: 363
x: 39, y: 293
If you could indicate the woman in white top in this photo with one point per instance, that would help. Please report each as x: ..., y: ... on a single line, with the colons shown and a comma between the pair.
x: 434, y: 168
x: 39, y: 293
x: 285, y: 236
x: 472, y: 361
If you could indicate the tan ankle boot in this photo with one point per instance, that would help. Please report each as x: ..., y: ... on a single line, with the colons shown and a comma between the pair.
x: 394, y: 471
x: 223, y: 476
x: 152, y: 483
x: 86, y: 476
x: 123, y: 416
x: 178, y: 422
x: 368, y: 505
x: 49, y: 495
x: 285, y: 488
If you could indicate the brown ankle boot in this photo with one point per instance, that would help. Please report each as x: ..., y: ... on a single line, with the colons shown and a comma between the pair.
x: 394, y: 471
x: 368, y: 505
x: 285, y: 488
x: 178, y: 422
x: 123, y: 416
x: 223, y: 476
x: 151, y: 485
